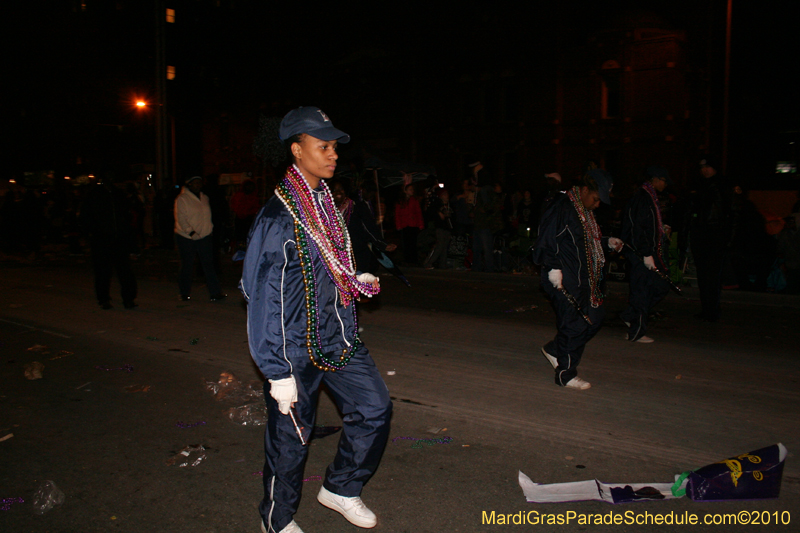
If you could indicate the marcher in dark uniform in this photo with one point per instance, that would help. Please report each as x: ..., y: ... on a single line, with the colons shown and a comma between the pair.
x: 710, y: 235
x: 364, y: 232
x: 106, y: 218
x: 301, y: 285
x: 645, y: 231
x: 570, y: 250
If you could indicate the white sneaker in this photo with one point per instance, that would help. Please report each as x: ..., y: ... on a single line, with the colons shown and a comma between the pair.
x: 644, y: 339
x: 291, y: 527
x: 578, y: 383
x: 353, y: 509
x: 553, y: 360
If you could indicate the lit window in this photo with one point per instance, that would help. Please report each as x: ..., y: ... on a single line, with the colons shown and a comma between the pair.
x: 171, y: 16
x: 170, y: 72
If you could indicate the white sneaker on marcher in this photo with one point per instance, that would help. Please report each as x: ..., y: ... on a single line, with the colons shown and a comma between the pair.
x: 553, y: 360
x: 291, y: 527
x: 353, y: 509
x: 578, y: 383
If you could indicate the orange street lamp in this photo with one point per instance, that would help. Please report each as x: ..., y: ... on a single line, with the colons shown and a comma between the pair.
x: 141, y: 103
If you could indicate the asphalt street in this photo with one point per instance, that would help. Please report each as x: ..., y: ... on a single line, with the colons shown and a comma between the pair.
x: 124, y: 391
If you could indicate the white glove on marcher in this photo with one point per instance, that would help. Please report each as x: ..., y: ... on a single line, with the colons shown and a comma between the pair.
x: 285, y: 393
x: 649, y: 262
x: 615, y: 244
x: 366, y: 277
x: 555, y: 277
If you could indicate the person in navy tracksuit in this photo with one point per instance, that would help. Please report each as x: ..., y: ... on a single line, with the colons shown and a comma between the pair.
x: 285, y: 314
x: 644, y: 230
x: 570, y: 251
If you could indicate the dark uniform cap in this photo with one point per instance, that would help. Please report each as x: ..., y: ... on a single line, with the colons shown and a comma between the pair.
x: 654, y: 171
x: 604, y: 184
x: 314, y: 122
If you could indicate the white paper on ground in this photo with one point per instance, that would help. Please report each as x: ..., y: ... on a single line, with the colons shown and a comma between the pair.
x: 579, y: 491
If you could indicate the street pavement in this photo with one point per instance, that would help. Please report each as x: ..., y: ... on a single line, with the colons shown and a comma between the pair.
x: 463, y: 352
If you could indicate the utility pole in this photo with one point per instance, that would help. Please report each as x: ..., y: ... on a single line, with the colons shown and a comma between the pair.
x: 726, y: 93
x: 162, y: 176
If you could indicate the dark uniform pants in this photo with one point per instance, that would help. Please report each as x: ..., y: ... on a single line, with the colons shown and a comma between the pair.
x: 646, y: 290
x: 363, y: 399
x: 108, y: 256
x: 573, y: 331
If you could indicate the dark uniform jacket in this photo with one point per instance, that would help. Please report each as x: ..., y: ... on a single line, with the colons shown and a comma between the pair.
x: 640, y: 227
x: 560, y: 246
x: 272, y: 284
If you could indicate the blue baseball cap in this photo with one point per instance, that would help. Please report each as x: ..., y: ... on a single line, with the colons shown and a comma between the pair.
x: 604, y: 184
x: 314, y: 122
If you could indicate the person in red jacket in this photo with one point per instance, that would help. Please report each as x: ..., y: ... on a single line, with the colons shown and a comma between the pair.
x: 245, y: 205
x: 408, y: 221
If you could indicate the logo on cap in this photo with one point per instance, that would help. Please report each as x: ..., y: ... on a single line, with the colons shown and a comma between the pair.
x: 323, y: 115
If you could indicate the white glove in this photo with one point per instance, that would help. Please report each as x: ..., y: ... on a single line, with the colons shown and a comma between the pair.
x: 615, y: 244
x: 366, y: 277
x: 555, y: 277
x: 285, y: 393
x: 649, y: 262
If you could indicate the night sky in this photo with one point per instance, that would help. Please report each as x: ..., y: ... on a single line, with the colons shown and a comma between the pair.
x: 72, y: 74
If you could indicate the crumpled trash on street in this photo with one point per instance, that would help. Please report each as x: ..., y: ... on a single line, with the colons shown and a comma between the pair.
x: 47, y: 496
x: 252, y: 414
x: 229, y: 388
x: 138, y: 388
x: 34, y: 370
x: 750, y: 476
x: 191, y: 455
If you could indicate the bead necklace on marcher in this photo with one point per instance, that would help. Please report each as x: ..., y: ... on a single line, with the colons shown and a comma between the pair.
x: 331, y: 242
x: 647, y: 186
x: 595, y: 259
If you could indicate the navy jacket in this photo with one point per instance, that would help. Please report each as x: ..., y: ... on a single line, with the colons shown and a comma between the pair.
x: 272, y: 284
x: 560, y: 246
x: 640, y: 226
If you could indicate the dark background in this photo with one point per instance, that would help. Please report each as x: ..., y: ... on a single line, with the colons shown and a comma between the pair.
x: 74, y: 69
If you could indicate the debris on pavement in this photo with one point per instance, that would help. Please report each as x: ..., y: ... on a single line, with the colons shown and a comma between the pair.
x: 34, y: 370
x: 750, y: 476
x: 191, y: 455
x: 6, y: 503
x: 390, y: 372
x: 138, y: 388
x: 10, y: 435
x: 252, y: 414
x: 62, y: 353
x: 126, y: 367
x: 418, y: 443
x: 230, y: 388
x: 151, y: 338
x: 37, y: 348
x: 194, y: 341
x: 183, y: 425
x: 47, y: 496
